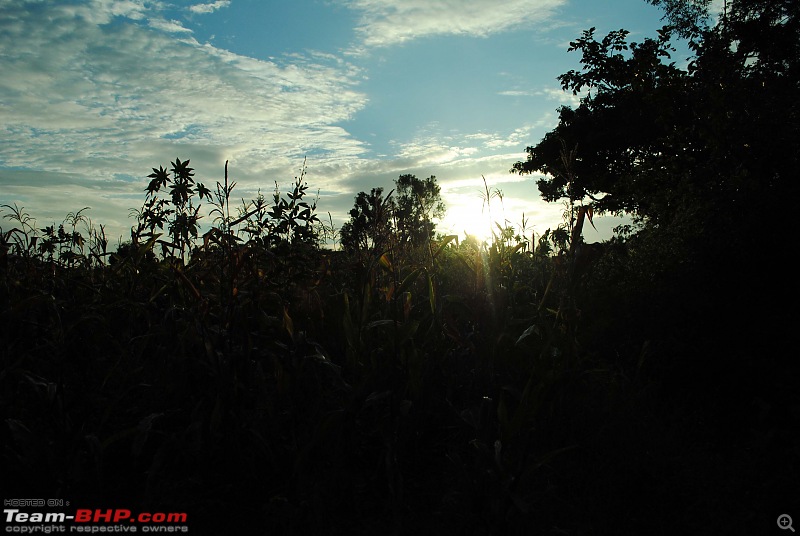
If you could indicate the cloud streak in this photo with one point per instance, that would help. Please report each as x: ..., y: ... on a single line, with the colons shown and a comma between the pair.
x: 390, y: 22
x: 94, y: 94
x: 105, y: 89
x: 209, y: 8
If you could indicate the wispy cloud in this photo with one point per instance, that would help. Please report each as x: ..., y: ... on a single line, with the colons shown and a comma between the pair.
x: 388, y: 22
x: 209, y: 8
x: 517, y: 93
x: 94, y: 92
x: 434, y: 151
x: 553, y: 94
x: 716, y: 9
x: 169, y: 26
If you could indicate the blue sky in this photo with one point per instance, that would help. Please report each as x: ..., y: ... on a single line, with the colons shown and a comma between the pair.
x: 94, y: 93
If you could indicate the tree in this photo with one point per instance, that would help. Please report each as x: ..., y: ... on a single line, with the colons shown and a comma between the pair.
x: 419, y: 202
x: 405, y: 220
x: 687, y: 18
x: 663, y: 143
x: 704, y: 158
x: 617, y: 129
x: 369, y: 227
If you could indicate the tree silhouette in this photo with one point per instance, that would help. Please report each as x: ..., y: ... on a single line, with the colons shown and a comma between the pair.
x: 369, y: 227
x: 660, y: 142
x: 419, y: 202
x: 405, y: 220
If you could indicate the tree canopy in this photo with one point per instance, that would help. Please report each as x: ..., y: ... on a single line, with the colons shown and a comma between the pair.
x: 406, y: 218
x: 656, y: 140
x: 419, y: 202
x: 369, y: 226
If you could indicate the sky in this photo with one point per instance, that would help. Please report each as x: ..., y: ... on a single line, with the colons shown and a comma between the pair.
x: 95, y: 93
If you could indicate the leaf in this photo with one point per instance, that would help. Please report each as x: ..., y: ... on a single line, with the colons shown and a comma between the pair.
x: 445, y: 240
x: 386, y: 263
x: 288, y: 325
x: 202, y: 191
x: 389, y: 291
x: 431, y: 293
x: 379, y: 323
x: 406, y: 305
x: 527, y: 333
x: 464, y: 261
x: 407, y: 282
x: 142, y: 251
x: 590, y: 213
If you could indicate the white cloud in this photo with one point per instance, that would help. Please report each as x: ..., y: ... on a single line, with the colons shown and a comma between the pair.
x: 460, y: 162
x: 209, y: 8
x: 95, y: 94
x: 516, y: 93
x: 388, y: 22
x: 716, y: 9
x: 518, y: 138
x: 104, y: 11
x: 169, y: 26
x: 554, y: 94
x: 108, y: 89
x: 431, y: 150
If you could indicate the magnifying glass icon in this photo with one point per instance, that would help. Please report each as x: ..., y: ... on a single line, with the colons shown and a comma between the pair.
x: 785, y: 522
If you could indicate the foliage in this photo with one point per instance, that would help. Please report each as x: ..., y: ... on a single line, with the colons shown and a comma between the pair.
x: 687, y: 18
x: 370, y: 226
x: 615, y: 134
x: 178, y: 210
x: 653, y: 140
x: 698, y: 156
x: 414, y: 383
x: 419, y: 202
x: 403, y: 221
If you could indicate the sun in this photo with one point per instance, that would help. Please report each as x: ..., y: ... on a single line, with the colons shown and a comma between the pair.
x: 469, y: 220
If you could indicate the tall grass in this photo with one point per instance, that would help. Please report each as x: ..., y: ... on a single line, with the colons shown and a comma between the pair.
x: 457, y: 388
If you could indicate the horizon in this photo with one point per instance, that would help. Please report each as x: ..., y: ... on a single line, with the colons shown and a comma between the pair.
x: 97, y: 93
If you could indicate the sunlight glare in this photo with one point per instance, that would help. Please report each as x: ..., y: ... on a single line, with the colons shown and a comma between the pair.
x: 467, y: 220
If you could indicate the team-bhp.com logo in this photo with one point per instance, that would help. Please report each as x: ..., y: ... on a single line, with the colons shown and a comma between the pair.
x: 94, y: 520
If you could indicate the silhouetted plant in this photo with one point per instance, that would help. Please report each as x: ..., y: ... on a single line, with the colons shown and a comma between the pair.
x: 177, y: 210
x: 415, y: 383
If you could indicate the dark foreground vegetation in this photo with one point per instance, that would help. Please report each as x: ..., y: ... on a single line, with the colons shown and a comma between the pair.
x: 410, y: 383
